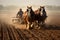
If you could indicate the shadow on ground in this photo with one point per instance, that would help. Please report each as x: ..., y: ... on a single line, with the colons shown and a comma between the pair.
x: 50, y: 27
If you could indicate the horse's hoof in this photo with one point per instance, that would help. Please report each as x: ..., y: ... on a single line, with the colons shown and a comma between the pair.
x: 30, y: 28
x: 39, y: 27
x: 27, y: 28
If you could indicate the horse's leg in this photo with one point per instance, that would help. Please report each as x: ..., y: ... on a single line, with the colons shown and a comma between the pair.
x: 30, y: 25
x: 34, y: 24
x: 43, y: 22
x: 39, y: 24
x: 27, y: 24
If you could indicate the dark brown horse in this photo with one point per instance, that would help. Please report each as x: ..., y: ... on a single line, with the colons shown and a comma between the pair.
x: 44, y: 15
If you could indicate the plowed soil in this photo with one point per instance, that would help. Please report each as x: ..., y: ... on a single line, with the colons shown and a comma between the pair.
x: 9, y: 32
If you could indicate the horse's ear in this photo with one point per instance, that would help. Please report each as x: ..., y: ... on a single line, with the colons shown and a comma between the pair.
x: 44, y: 6
x: 27, y: 7
x: 31, y: 6
x: 40, y: 6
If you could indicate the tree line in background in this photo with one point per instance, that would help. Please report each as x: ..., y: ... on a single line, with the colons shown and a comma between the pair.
x: 12, y: 7
x: 8, y: 7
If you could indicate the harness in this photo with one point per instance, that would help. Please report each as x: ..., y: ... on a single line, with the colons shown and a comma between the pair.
x: 28, y: 13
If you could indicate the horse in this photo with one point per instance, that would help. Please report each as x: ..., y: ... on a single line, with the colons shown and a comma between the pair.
x: 30, y: 17
x: 44, y: 15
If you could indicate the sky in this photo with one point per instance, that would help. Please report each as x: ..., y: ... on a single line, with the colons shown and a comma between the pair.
x: 30, y: 2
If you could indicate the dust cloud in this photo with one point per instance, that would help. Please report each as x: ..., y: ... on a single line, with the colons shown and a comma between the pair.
x: 7, y: 16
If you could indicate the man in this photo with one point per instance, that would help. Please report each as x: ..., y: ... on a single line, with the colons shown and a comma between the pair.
x: 20, y: 14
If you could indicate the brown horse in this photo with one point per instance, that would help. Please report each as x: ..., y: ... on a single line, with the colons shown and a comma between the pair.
x: 25, y: 18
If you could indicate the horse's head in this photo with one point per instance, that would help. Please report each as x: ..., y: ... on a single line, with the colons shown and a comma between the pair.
x: 37, y: 11
x: 29, y: 9
x: 42, y: 8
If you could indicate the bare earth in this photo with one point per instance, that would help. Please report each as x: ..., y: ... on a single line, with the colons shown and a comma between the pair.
x: 9, y: 32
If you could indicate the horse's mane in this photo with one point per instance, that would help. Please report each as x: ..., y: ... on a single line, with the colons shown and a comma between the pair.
x: 37, y: 11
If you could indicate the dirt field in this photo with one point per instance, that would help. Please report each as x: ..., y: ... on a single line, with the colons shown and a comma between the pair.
x: 9, y: 32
